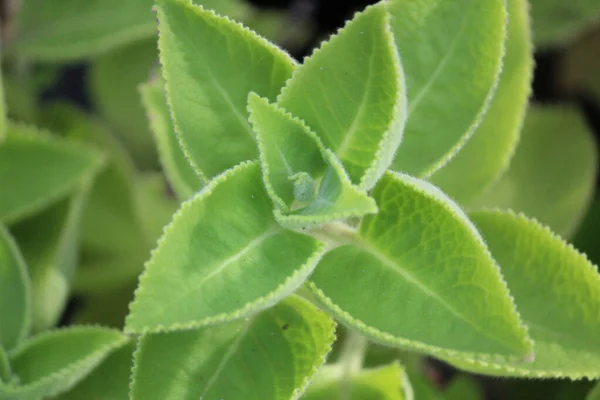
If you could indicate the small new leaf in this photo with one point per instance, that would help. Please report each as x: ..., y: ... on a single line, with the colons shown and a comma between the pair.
x: 53, y: 362
x: 557, y: 291
x: 486, y: 155
x: 351, y: 93
x: 15, y: 293
x: 553, y: 172
x: 445, y: 45
x: 65, y: 165
x: 426, y: 279
x: 210, y: 65
x: 305, y: 180
x: 275, y: 353
x: 177, y: 168
x: 222, y: 257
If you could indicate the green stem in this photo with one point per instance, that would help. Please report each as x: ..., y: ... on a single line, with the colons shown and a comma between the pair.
x: 351, y: 360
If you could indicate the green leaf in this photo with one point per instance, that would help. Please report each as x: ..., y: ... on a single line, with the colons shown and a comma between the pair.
x: 210, y: 65
x: 493, y: 143
x: 63, y: 30
x: 15, y: 293
x: 53, y: 362
x: 271, y: 356
x: 109, y: 381
x: 351, y: 93
x: 225, y: 254
x: 552, y: 174
x: 383, y: 383
x: 305, y: 180
x: 3, y: 111
x: 177, y: 168
x: 557, y: 291
x: 114, y: 79
x: 557, y: 22
x: 155, y: 205
x: 111, y: 222
x: 463, y: 388
x: 421, y: 260
x: 50, y: 244
x: 445, y: 45
x: 65, y: 165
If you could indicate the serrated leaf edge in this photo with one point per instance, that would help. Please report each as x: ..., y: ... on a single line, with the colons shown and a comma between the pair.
x: 161, y: 141
x: 291, y: 283
x: 163, y: 62
x: 71, y: 367
x: 449, y: 154
x: 34, y: 134
x: 564, y: 246
x: 371, y: 175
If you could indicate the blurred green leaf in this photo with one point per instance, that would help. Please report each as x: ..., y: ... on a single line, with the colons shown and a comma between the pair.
x: 65, y: 30
x: 114, y: 80
x: 558, y: 22
x: 275, y: 353
x: 594, y: 394
x: 53, y: 362
x: 382, y: 383
x: 487, y: 154
x: 66, y: 166
x: 553, y: 172
x: 587, y: 238
x: 50, y: 244
x: 15, y: 295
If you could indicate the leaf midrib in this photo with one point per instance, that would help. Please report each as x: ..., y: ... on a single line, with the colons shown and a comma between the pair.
x: 379, y: 255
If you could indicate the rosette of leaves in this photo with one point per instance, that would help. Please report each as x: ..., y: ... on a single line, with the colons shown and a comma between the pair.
x: 336, y: 179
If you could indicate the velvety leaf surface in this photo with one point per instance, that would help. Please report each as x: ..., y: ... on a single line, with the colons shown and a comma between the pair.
x: 50, y: 244
x: 108, y: 381
x: 552, y: 174
x: 557, y: 22
x: 351, y: 93
x: 383, y: 383
x: 201, y: 55
x: 62, y: 30
x: 53, y: 362
x: 486, y: 155
x: 114, y: 79
x: 15, y: 293
x: 222, y: 257
x: 448, y: 301
x: 557, y: 291
x: 181, y: 175
x: 32, y: 189
x: 445, y: 46
x: 305, y: 180
x: 271, y: 356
